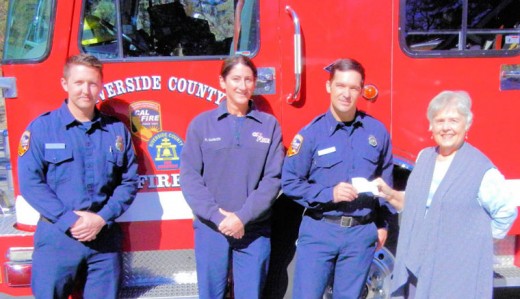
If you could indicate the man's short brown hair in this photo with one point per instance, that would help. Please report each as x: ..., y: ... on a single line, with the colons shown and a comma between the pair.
x: 82, y: 59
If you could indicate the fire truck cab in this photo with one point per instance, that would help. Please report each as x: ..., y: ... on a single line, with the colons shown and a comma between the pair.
x: 161, y: 64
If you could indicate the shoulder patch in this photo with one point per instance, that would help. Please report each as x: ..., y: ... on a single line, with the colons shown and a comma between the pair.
x: 25, y: 140
x: 296, y: 144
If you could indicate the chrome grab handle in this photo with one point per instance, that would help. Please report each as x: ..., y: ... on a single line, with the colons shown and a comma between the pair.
x: 293, y: 97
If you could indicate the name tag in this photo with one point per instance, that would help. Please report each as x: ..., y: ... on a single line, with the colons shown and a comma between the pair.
x: 213, y: 139
x: 54, y: 145
x: 326, y: 151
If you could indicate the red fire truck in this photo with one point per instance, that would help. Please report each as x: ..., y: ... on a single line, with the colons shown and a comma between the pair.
x: 162, y: 59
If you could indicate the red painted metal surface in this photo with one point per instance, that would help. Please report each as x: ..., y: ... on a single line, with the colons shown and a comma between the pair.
x: 365, y: 30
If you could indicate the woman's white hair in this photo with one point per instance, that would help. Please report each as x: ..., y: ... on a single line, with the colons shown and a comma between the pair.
x: 458, y: 99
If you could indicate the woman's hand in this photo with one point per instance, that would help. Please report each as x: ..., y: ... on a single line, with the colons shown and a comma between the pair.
x: 231, y: 226
x: 394, y: 197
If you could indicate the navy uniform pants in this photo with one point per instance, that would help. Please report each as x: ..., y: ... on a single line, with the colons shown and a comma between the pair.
x: 214, y: 253
x: 59, y: 260
x: 325, y: 249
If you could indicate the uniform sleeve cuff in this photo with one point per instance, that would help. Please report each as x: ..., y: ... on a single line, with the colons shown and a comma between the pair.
x: 217, y: 218
x: 382, y: 225
x: 325, y: 197
x: 106, y: 214
x: 66, y: 221
x: 241, y: 215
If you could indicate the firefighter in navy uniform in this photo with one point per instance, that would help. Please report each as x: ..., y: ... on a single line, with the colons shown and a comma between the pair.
x: 78, y: 169
x: 230, y: 176
x: 341, y: 228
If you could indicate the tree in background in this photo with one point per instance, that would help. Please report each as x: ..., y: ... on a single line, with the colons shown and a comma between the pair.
x: 3, y: 16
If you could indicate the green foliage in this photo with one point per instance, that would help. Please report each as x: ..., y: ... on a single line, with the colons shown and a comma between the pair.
x: 3, y: 16
x: 105, y: 10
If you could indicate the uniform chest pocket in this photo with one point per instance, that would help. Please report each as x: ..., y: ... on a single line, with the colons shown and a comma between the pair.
x: 214, y: 146
x: 59, y: 169
x: 327, y: 161
x: 57, y: 156
x: 371, y: 156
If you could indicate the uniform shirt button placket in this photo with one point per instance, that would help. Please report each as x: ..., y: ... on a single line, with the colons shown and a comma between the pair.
x: 89, y: 166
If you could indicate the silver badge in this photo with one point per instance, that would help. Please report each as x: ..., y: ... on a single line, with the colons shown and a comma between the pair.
x: 372, y: 140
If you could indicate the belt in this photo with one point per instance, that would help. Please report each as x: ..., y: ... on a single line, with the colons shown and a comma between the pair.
x: 45, y: 219
x: 343, y: 221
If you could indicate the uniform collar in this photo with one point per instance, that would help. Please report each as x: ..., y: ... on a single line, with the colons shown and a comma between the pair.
x: 333, y: 125
x: 68, y: 119
x: 253, y: 113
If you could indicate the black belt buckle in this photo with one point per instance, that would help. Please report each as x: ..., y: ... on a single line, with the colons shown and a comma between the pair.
x: 346, y: 221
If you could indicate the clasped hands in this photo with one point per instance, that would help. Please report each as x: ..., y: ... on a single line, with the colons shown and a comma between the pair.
x: 231, y: 226
x: 87, y: 227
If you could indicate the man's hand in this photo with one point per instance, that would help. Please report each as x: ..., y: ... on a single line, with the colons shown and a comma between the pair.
x: 87, y: 227
x: 382, y: 234
x: 344, y: 192
x: 231, y: 226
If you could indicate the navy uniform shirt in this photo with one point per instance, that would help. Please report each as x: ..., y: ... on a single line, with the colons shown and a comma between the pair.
x: 327, y: 152
x: 64, y: 166
x: 233, y: 163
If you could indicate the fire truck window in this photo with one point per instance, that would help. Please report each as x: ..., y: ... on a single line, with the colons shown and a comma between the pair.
x: 460, y: 27
x: 99, y: 30
x: 28, y: 30
x: 169, y: 28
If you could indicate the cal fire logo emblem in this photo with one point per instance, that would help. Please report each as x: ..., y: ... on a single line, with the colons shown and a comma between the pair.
x: 145, y: 118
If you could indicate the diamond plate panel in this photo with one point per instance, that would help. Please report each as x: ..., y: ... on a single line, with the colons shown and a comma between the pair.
x: 159, y: 274
x: 7, y: 223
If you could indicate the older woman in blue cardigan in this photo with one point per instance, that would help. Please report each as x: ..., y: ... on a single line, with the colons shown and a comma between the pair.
x: 454, y: 204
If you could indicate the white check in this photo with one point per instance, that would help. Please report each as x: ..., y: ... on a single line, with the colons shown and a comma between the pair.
x: 362, y: 185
